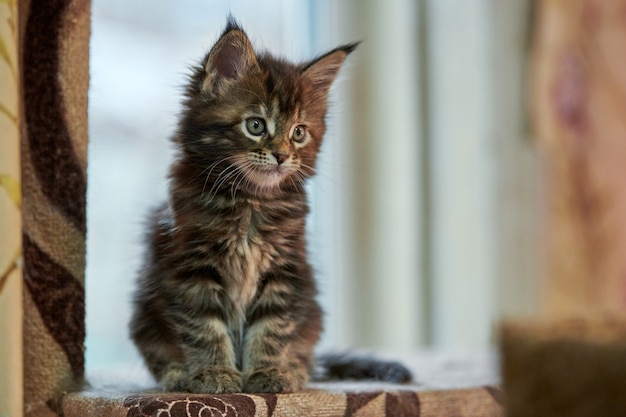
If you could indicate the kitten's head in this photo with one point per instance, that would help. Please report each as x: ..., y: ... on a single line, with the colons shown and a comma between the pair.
x: 255, y: 122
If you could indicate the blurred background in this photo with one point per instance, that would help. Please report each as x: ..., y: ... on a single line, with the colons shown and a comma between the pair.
x: 428, y: 200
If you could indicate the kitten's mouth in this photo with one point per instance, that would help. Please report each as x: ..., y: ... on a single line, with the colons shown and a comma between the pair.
x: 267, y: 176
x: 271, y: 169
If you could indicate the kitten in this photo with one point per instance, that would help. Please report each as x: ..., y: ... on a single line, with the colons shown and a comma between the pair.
x: 226, y: 297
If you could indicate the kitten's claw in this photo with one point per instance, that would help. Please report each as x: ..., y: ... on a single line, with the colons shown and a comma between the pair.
x: 274, y: 380
x: 215, y: 381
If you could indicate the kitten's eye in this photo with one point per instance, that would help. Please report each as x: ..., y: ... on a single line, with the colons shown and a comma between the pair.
x: 255, y: 126
x: 299, y: 134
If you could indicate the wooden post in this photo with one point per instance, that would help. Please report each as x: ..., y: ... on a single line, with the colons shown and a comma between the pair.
x: 11, y: 375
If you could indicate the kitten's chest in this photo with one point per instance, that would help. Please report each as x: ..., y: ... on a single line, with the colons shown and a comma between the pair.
x: 248, y: 253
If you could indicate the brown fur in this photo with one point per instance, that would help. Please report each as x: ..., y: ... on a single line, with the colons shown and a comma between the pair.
x: 226, y: 298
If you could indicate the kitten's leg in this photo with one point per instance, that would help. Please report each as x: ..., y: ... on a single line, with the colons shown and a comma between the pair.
x: 203, y: 358
x: 209, y: 352
x: 153, y: 337
x: 279, y: 341
x: 272, y: 362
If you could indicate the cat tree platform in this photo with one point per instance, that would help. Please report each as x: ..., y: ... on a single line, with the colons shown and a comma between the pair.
x: 445, y: 385
x: 470, y: 402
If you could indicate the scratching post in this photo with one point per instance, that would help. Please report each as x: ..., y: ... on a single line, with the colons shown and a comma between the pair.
x: 54, y: 62
x: 578, y: 104
x: 570, y: 361
x: 565, y: 367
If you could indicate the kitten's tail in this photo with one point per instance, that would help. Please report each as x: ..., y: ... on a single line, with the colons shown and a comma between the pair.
x: 356, y: 367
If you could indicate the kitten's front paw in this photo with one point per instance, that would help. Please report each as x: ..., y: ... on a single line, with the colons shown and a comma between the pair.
x: 215, y: 381
x: 275, y: 380
x: 175, y: 379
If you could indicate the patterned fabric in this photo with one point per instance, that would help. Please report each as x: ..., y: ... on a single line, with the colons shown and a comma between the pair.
x: 475, y: 402
x: 55, y: 56
x: 10, y: 218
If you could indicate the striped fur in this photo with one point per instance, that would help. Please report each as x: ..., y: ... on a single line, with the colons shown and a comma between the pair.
x: 226, y: 299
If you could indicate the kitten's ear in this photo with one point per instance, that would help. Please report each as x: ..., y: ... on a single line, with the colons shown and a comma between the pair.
x: 230, y: 59
x: 321, y: 72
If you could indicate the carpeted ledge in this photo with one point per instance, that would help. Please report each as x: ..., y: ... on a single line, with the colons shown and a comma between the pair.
x: 448, y: 385
x: 475, y: 402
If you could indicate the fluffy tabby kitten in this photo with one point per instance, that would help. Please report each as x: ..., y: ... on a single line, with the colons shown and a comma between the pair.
x: 226, y: 297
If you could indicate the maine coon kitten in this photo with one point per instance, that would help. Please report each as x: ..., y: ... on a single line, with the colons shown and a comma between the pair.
x: 226, y: 297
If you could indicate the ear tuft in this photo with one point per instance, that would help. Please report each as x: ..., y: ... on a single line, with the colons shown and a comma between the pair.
x: 231, y: 24
x: 230, y: 59
x: 322, y: 71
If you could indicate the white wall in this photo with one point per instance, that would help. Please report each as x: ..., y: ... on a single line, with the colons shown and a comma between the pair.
x: 462, y: 175
x: 439, y: 204
x: 381, y: 204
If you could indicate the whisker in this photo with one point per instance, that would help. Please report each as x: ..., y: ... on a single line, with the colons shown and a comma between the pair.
x: 205, y: 169
x: 227, y: 174
x: 211, y: 168
x: 236, y: 182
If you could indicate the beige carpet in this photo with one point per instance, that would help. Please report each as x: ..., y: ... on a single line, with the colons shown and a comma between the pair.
x: 445, y: 385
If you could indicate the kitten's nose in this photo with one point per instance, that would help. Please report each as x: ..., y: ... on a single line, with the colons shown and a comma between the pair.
x: 280, y: 157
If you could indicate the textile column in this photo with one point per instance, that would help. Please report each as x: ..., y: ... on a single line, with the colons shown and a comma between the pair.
x: 54, y: 54
x: 578, y: 105
x: 11, y: 392
x: 551, y: 367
